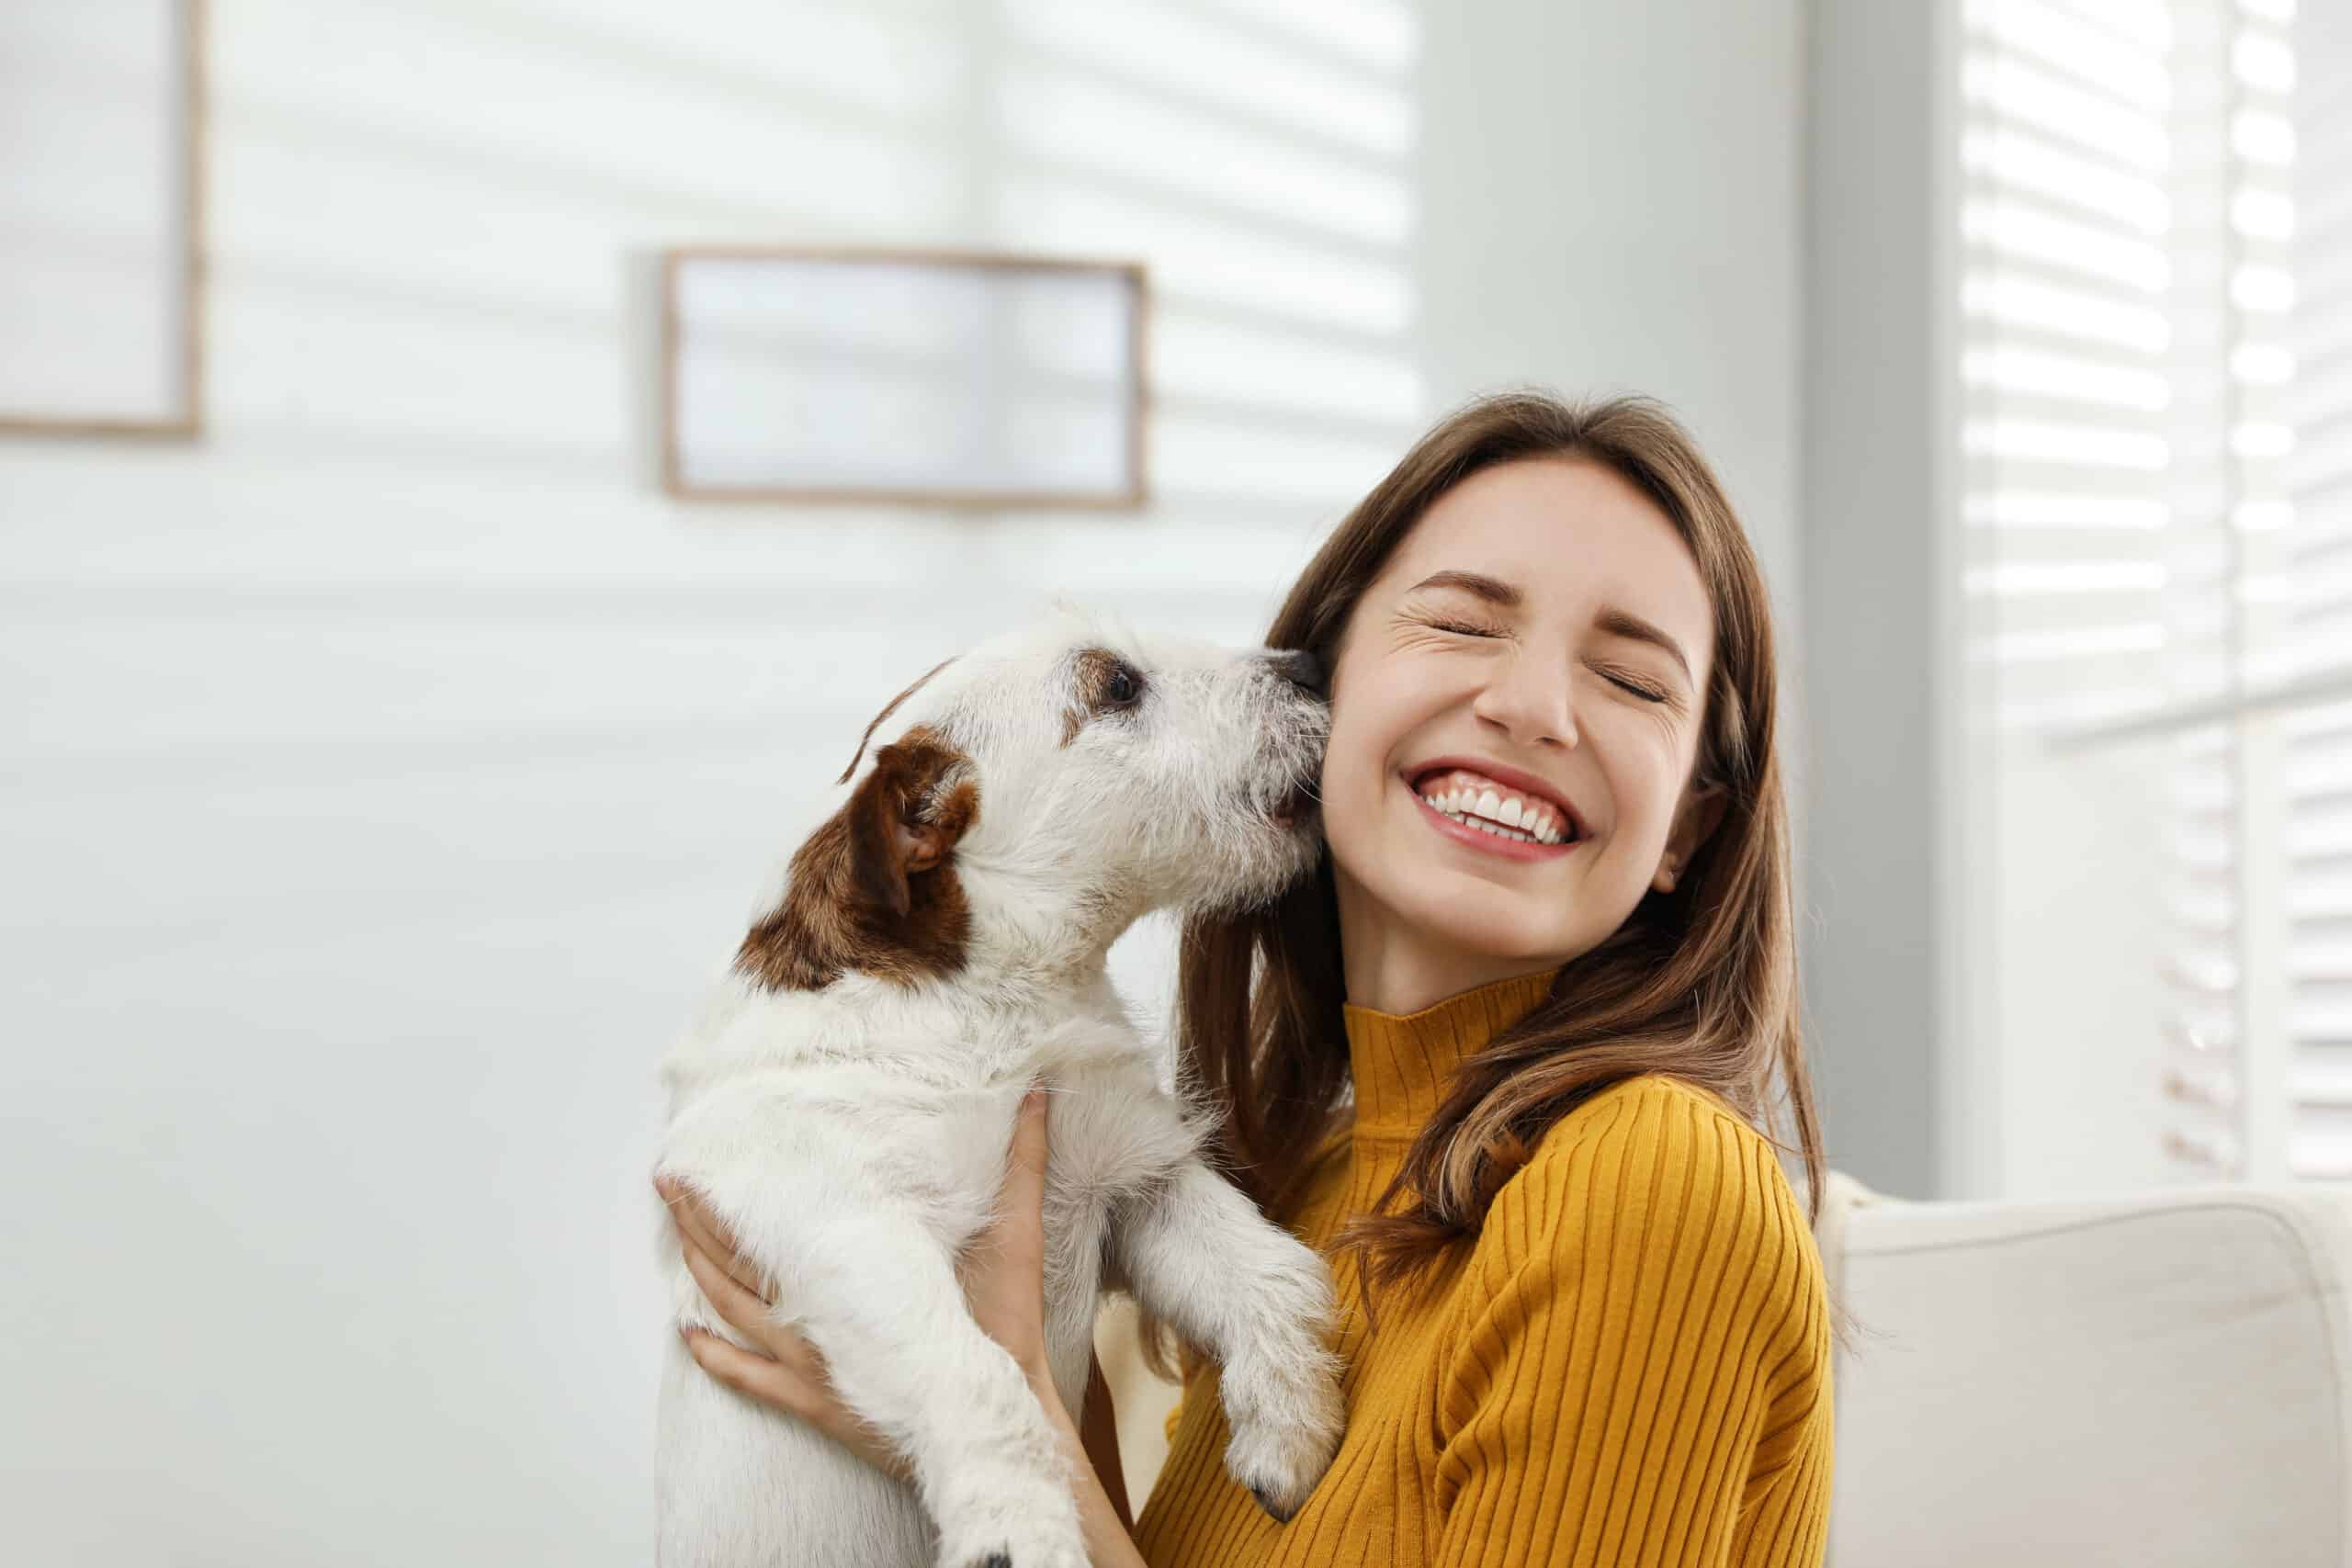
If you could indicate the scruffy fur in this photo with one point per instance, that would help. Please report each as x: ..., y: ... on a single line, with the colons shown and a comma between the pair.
x: 846, y: 1100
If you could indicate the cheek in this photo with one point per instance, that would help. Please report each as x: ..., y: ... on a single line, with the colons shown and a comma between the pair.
x: 1367, y: 724
x: 1355, y: 767
x: 1350, y: 757
x: 1645, y: 785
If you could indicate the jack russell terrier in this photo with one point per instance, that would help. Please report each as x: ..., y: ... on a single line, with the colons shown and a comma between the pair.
x: 846, y: 1101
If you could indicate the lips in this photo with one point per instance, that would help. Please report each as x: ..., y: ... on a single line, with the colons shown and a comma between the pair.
x: 1516, y: 779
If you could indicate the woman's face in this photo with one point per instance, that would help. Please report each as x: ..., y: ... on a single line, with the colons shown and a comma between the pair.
x: 1540, y: 638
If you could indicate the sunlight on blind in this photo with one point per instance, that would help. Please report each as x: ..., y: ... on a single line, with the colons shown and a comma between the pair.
x: 2317, y: 600
x: 2156, y: 366
x: 2065, y: 216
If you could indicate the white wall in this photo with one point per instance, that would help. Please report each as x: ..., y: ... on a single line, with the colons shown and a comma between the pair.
x: 390, y: 768
x: 1894, y: 784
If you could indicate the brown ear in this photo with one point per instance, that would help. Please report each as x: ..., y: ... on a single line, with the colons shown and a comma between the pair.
x: 904, y: 820
x: 875, y: 888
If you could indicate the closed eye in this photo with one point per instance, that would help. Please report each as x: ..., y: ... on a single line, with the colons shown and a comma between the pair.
x: 1463, y: 628
x: 1646, y: 694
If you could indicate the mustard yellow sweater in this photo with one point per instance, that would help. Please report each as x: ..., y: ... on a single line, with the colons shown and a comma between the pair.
x: 1630, y: 1365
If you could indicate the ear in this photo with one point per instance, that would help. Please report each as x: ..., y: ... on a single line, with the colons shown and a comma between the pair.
x: 1702, y: 811
x: 874, y: 888
x: 905, y: 819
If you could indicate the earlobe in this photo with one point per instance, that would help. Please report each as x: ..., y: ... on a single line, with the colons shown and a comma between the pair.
x: 1701, y: 816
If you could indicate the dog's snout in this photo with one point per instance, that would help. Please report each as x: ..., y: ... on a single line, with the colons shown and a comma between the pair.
x: 1298, y: 667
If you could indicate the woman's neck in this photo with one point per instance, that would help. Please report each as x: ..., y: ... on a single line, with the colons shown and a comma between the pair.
x: 1394, y: 969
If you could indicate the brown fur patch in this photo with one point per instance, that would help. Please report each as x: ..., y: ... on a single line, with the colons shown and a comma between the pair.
x: 874, y: 888
x: 1090, y: 694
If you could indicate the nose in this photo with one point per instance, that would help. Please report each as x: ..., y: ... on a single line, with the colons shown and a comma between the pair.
x: 1298, y: 667
x: 1529, y: 700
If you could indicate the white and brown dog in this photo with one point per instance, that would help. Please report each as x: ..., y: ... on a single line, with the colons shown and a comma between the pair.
x: 846, y: 1101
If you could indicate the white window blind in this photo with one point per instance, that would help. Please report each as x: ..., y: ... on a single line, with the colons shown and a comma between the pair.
x: 2156, y: 446
x: 2317, y: 743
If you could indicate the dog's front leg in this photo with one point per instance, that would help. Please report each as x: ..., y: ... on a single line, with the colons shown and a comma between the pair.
x: 874, y: 1290
x: 1199, y: 1254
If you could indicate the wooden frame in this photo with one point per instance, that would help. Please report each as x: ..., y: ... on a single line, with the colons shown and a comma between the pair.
x: 188, y: 421
x: 677, y: 482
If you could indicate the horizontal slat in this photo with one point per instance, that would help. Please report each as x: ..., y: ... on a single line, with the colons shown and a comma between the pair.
x: 2119, y: 65
x: 2008, y: 158
x: 1193, y: 57
x: 2018, y: 374
x: 1999, y: 87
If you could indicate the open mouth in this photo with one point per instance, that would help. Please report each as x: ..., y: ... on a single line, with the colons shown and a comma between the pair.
x: 1484, y: 813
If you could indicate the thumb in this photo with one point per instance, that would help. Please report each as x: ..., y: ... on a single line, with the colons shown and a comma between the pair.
x: 1025, y: 1176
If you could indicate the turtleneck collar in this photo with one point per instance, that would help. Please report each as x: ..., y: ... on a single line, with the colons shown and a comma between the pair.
x: 1404, y: 1063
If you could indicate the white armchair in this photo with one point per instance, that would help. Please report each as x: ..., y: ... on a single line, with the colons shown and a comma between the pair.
x: 2161, y: 1380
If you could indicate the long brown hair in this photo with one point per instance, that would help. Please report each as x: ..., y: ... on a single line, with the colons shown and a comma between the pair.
x: 1699, y: 982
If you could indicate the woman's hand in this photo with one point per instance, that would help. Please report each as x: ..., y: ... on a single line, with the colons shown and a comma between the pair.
x: 1004, y: 1268
x: 1003, y: 1276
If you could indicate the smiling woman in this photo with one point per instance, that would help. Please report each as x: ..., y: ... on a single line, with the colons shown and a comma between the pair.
x: 1509, y: 1058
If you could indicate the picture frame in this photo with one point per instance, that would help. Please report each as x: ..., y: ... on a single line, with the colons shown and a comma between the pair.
x: 101, y: 300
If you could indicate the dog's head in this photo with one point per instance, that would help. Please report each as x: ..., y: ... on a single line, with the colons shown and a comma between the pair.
x: 1030, y: 799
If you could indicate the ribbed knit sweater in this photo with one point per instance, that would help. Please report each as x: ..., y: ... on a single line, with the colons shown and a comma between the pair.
x: 1629, y: 1365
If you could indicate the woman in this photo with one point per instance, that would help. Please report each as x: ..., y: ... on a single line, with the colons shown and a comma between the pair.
x: 1512, y: 1088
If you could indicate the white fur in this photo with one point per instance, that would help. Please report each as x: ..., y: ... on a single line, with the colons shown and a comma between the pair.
x: 854, y: 1139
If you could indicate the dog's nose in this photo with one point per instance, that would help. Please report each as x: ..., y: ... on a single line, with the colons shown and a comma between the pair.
x: 1298, y: 667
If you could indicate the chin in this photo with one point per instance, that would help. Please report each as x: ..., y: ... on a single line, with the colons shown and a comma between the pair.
x: 1478, y: 921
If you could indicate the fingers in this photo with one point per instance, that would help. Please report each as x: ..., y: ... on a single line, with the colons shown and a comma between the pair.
x: 745, y: 1373
x: 756, y: 1377
x: 749, y: 1315
x: 695, y: 1221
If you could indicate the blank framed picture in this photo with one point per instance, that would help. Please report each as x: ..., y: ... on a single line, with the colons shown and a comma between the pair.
x: 908, y: 377
x: 101, y: 108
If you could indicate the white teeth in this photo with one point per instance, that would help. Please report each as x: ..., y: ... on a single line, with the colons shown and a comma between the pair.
x: 1510, y: 817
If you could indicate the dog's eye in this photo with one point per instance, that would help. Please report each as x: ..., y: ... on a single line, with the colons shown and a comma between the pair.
x: 1105, y: 685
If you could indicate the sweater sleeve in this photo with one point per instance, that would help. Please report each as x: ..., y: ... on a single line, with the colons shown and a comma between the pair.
x: 1643, y: 1374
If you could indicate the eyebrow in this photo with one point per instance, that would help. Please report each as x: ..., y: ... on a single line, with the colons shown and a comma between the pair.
x: 1504, y: 595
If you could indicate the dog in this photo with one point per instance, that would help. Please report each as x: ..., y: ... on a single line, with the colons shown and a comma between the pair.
x: 846, y: 1100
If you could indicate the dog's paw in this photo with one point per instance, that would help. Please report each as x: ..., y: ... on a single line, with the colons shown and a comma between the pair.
x: 1005, y: 1558
x: 1280, y: 1451
x: 1026, y: 1543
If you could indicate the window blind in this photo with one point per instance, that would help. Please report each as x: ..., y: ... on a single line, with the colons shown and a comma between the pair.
x: 2317, y: 741
x: 2156, y: 472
